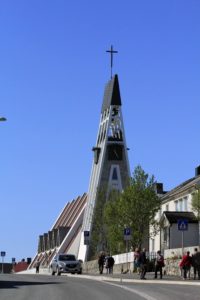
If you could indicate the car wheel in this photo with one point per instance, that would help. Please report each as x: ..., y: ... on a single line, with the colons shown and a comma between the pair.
x: 52, y: 271
x: 58, y: 273
x: 80, y: 272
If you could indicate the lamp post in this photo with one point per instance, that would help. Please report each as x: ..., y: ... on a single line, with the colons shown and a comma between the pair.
x: 3, y: 253
x: 2, y: 119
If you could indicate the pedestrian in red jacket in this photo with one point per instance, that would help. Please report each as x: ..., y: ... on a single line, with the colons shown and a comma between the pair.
x: 185, y: 264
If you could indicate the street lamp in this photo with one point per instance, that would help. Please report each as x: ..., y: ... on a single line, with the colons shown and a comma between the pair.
x: 2, y: 119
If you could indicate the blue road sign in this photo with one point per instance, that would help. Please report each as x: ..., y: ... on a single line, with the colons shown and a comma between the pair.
x: 127, y: 231
x: 86, y: 237
x: 127, y: 234
x: 182, y: 224
x: 3, y: 253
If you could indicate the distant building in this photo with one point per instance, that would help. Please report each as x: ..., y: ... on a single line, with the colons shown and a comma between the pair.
x: 64, y: 236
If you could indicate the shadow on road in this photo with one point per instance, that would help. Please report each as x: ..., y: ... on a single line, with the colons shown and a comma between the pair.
x: 6, y: 284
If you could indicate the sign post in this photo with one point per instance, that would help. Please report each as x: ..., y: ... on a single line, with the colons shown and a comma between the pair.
x: 86, y: 242
x: 3, y: 254
x: 182, y: 226
x: 86, y: 237
x: 127, y: 238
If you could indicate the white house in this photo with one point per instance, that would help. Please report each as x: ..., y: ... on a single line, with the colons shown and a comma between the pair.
x: 176, y: 206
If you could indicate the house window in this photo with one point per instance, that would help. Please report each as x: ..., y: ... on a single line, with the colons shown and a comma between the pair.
x: 165, y: 234
x: 167, y: 207
x: 180, y: 202
x: 185, y: 203
x: 176, y: 205
x: 152, y: 245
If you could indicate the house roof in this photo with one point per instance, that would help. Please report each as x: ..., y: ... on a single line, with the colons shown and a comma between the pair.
x: 174, y: 216
x: 111, y: 94
x: 186, y: 186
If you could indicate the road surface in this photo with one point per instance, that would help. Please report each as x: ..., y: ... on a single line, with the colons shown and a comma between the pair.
x: 40, y: 287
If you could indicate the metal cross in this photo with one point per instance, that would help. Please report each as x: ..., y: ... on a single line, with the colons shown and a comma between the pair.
x: 111, y: 51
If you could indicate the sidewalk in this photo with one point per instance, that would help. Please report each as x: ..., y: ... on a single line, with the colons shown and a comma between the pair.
x: 123, y: 278
x: 134, y: 278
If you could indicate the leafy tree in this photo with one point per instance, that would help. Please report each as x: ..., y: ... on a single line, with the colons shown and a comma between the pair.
x: 134, y: 208
x: 195, y: 203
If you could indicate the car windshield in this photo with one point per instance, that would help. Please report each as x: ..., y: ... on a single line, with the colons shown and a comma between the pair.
x: 67, y: 257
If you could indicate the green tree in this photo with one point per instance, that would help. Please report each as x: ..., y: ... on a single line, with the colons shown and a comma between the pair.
x: 134, y: 208
x: 195, y: 203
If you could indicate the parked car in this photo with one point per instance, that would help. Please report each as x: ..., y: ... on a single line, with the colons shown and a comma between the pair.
x: 66, y: 263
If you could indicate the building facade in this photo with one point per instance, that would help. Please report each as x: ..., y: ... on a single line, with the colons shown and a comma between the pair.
x: 176, y: 206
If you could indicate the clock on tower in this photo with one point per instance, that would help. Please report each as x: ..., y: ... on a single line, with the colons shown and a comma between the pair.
x: 115, y: 152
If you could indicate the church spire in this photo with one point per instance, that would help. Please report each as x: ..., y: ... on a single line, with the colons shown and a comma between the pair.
x: 111, y: 94
x: 110, y: 168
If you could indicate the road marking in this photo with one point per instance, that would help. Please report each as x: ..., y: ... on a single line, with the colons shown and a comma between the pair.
x: 132, y: 290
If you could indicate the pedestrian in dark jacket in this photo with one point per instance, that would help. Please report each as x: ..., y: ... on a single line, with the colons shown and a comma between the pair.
x: 159, y: 264
x: 101, y: 262
x: 196, y: 263
x: 143, y: 264
x: 37, y: 266
x: 111, y: 262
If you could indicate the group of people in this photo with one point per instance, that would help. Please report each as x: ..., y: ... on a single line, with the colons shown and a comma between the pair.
x: 189, y: 261
x: 140, y: 263
x: 107, y: 262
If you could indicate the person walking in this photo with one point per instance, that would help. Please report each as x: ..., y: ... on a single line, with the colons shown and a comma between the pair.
x: 101, y: 262
x: 37, y: 266
x: 196, y: 263
x: 111, y: 262
x: 136, y: 263
x: 185, y: 264
x: 143, y: 263
x: 159, y: 264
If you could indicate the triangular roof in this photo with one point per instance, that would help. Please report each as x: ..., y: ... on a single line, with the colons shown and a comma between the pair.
x: 174, y: 216
x: 111, y: 94
x: 185, y: 186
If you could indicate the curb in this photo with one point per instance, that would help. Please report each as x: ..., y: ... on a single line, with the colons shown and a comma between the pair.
x: 127, y: 280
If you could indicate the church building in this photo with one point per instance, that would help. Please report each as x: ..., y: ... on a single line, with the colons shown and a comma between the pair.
x: 72, y: 231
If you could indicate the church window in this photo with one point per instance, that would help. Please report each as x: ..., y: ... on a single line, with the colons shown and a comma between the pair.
x: 114, y: 175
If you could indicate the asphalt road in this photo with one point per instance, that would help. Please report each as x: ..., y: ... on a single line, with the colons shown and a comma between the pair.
x: 40, y: 287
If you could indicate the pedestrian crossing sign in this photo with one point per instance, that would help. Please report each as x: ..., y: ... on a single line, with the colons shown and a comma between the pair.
x: 183, y: 224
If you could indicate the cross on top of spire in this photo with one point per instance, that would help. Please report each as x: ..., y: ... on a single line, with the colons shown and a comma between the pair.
x: 111, y: 51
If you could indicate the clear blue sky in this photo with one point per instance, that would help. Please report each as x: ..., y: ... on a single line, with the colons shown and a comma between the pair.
x: 53, y: 70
